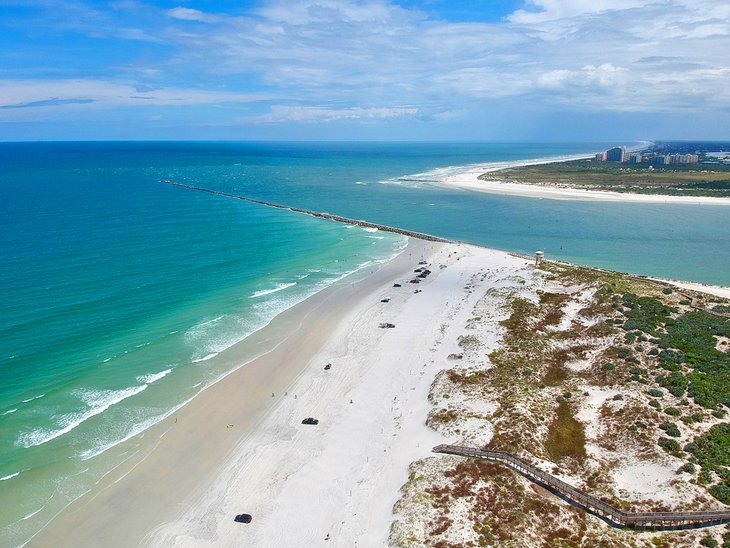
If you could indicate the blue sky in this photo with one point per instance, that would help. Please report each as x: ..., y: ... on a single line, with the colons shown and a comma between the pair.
x: 558, y: 70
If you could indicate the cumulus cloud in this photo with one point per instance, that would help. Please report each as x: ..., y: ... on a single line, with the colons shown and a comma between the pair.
x: 365, y: 56
x: 600, y: 53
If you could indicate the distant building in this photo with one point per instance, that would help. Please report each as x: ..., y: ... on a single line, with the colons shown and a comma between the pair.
x: 617, y: 154
x: 601, y: 157
x: 683, y: 158
x: 660, y: 160
x: 636, y: 158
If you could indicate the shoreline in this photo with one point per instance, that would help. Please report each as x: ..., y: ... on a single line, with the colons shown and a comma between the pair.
x: 234, y: 448
x: 469, y: 180
x: 177, y: 457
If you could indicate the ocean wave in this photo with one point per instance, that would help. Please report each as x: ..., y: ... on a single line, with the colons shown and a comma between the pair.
x: 208, y: 322
x: 205, y: 358
x: 369, y: 229
x: 32, y: 514
x: 9, y: 476
x: 33, y: 398
x: 279, y: 287
x: 376, y: 237
x: 136, y: 429
x: 97, y: 402
x: 9, y: 411
x: 152, y: 377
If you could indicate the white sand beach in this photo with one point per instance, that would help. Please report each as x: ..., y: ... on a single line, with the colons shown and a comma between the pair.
x: 240, y: 446
x: 235, y: 448
x: 469, y: 180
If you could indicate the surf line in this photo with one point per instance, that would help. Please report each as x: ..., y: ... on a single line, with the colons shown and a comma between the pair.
x: 337, y: 218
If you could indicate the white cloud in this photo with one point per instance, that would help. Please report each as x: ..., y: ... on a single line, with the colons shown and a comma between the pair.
x: 283, y: 113
x: 355, y: 59
x: 189, y: 14
x: 59, y: 93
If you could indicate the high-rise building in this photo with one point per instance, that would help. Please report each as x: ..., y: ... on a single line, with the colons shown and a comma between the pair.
x: 617, y: 154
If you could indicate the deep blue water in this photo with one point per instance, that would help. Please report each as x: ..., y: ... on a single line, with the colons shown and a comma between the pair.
x: 119, y: 293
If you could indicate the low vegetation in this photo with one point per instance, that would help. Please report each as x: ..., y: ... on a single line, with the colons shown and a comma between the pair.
x: 644, y: 362
x: 683, y: 180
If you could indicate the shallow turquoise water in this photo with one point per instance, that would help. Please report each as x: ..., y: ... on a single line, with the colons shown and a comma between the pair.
x: 119, y: 292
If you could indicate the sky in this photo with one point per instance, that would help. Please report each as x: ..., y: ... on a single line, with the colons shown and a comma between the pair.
x: 434, y: 70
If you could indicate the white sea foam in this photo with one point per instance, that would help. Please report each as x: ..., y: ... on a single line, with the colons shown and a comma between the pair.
x: 106, y: 360
x: 33, y: 398
x: 369, y: 229
x: 32, y: 514
x: 9, y: 476
x: 205, y: 358
x: 266, y: 311
x: 202, y: 324
x: 152, y: 377
x: 376, y: 237
x: 97, y: 402
x: 136, y: 429
x: 9, y: 411
x: 279, y: 287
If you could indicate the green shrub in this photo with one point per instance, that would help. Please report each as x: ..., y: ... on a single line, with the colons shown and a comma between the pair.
x: 709, y: 541
x: 618, y: 397
x: 667, y: 291
x: 669, y: 445
x: 608, y: 367
x: 705, y: 478
x: 671, y: 429
x: 688, y: 468
x: 624, y: 352
x: 655, y: 404
x: 656, y: 393
x: 672, y: 411
x: 676, y: 383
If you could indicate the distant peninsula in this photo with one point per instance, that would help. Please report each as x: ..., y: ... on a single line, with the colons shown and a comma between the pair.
x: 681, y: 169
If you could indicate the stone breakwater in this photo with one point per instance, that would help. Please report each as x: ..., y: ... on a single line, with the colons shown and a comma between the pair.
x: 337, y: 218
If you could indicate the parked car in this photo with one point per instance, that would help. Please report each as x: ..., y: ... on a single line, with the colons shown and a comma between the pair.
x: 397, y: 285
x: 310, y: 420
x: 243, y: 518
x: 328, y: 367
x: 384, y: 300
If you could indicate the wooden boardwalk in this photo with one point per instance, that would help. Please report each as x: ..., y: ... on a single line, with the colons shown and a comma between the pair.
x: 589, y: 503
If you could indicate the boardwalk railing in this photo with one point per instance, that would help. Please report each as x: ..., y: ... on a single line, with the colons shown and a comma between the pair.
x: 594, y: 505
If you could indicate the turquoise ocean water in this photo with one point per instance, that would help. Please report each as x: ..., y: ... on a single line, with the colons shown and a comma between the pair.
x: 120, y: 295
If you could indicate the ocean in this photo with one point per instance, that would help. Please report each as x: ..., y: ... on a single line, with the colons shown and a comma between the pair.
x: 122, y: 297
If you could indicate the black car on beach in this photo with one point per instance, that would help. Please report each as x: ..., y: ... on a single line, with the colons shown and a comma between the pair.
x: 243, y: 518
